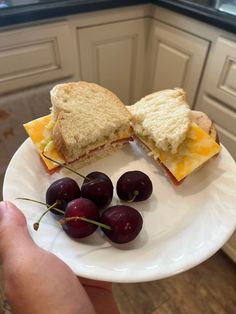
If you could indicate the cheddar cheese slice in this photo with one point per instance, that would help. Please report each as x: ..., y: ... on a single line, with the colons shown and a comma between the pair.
x: 195, y: 150
x: 40, y: 132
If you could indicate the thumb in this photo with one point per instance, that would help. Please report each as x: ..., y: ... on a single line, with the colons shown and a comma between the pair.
x: 13, y: 229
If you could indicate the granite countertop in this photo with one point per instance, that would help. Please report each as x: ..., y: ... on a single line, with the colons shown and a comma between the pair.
x: 11, y: 12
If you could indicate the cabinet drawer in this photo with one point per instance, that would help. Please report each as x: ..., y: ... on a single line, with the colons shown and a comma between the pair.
x: 35, y: 55
x: 221, y: 80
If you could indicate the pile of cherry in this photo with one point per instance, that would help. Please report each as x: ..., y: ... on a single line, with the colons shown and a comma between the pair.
x: 84, y: 209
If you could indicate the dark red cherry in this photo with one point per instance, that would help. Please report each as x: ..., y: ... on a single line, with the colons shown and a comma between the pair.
x: 134, y: 186
x: 125, y: 222
x: 98, y: 187
x: 84, y: 208
x: 62, y: 191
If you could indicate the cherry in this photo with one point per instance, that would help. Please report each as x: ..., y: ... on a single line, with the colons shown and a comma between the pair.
x: 80, y: 217
x: 134, y: 186
x: 98, y: 187
x: 61, y: 192
x: 125, y: 222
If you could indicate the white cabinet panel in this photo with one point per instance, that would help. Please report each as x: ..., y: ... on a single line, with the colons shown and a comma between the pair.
x: 176, y: 59
x: 224, y: 119
x: 219, y: 113
x: 34, y: 55
x: 20, y: 61
x: 221, y: 79
x: 171, y: 58
x: 112, y: 55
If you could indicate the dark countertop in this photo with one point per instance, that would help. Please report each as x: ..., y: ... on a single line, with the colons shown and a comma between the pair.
x: 201, y: 10
x: 36, y: 10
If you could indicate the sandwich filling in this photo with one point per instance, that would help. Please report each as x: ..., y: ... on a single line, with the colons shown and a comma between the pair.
x: 79, y: 140
x: 41, y: 133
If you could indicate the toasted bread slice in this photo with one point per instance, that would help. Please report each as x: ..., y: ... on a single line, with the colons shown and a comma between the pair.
x: 164, y: 116
x: 87, y: 117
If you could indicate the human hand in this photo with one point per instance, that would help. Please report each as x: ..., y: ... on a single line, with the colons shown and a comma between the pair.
x: 36, y: 281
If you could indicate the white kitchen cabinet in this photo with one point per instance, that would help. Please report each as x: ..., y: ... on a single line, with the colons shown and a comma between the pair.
x: 176, y: 59
x: 221, y: 75
x: 34, y: 55
x: 217, y: 96
x: 112, y: 55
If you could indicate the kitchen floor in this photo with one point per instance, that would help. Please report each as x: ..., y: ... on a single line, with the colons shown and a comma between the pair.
x: 209, y: 288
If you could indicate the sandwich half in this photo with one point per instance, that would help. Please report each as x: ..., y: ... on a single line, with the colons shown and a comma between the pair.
x: 86, y: 122
x: 180, y: 139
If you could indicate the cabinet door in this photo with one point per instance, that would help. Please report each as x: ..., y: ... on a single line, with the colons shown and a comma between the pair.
x: 176, y: 59
x: 112, y: 55
x: 221, y: 74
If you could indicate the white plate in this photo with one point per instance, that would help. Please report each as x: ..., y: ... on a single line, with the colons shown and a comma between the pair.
x: 183, y: 226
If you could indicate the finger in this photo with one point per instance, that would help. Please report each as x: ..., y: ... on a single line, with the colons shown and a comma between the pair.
x: 13, y: 229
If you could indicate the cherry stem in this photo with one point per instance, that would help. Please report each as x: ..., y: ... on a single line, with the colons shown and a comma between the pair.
x: 38, y: 202
x: 63, y: 165
x: 136, y: 193
x: 36, y: 224
x: 65, y: 220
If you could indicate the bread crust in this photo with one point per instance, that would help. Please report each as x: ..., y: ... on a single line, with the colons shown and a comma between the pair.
x: 59, y: 141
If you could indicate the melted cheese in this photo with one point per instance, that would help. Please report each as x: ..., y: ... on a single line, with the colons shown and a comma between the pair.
x: 39, y: 131
x: 197, y: 148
